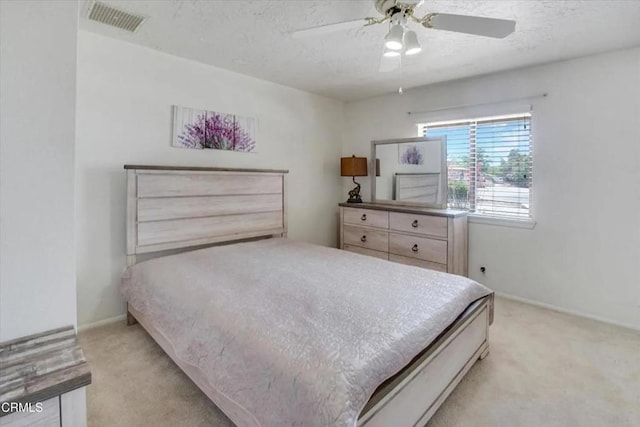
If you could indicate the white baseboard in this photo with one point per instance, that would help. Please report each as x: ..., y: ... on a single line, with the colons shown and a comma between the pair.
x: 567, y: 311
x: 102, y: 322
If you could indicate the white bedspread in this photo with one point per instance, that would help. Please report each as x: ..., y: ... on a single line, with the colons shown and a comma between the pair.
x: 295, y: 334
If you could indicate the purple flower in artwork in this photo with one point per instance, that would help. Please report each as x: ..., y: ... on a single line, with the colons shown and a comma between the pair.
x: 411, y: 156
x: 218, y: 131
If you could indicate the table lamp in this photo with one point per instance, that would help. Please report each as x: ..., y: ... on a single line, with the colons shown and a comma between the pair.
x: 353, y: 166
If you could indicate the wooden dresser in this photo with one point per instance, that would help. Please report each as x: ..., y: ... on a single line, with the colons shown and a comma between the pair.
x: 429, y: 238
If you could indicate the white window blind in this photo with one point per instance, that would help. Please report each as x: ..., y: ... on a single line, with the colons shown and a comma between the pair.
x: 490, y: 164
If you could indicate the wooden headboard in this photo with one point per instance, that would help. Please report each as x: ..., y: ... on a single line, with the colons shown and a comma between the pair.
x: 178, y: 207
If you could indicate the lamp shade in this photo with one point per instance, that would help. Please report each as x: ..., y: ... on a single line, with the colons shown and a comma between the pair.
x: 393, y: 40
x: 353, y: 166
x: 411, y: 44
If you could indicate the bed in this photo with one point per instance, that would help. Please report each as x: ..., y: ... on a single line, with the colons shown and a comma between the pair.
x: 278, y: 332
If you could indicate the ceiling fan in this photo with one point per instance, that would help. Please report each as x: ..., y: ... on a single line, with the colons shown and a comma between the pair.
x: 401, y: 39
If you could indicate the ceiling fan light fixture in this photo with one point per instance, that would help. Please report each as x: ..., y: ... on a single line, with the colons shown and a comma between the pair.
x: 411, y: 44
x: 393, y: 40
x: 390, y: 53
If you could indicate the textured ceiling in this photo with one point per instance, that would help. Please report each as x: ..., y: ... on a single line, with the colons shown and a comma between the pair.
x: 251, y: 37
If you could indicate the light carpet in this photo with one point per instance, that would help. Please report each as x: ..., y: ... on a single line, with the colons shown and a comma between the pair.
x: 544, y: 369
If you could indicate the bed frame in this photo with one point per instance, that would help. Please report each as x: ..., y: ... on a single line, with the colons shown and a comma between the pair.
x: 184, y: 207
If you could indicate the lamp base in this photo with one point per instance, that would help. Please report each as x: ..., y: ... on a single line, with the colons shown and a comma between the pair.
x: 354, y: 195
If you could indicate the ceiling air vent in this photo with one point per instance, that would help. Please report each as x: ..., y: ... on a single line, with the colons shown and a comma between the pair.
x: 108, y: 15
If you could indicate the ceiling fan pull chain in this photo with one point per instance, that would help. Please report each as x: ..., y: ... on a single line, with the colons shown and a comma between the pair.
x: 400, y: 91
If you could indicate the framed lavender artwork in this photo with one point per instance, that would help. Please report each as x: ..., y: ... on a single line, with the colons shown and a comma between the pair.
x: 411, y: 153
x: 202, y: 129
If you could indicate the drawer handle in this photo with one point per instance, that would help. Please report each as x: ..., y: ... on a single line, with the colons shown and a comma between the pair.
x: 415, y: 248
x: 414, y: 224
x: 363, y: 217
x: 363, y: 238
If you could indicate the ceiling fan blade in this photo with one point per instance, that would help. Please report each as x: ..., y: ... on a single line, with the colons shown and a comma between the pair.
x: 489, y: 27
x: 329, y: 28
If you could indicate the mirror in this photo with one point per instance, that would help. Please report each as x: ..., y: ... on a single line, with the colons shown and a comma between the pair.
x: 410, y: 171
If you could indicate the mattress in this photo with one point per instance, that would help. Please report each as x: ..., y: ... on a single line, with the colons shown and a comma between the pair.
x: 288, y: 333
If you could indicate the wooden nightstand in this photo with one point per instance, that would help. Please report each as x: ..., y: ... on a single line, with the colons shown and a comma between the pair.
x: 43, y: 379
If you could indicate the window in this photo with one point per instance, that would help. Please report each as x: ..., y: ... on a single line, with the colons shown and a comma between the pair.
x: 490, y: 164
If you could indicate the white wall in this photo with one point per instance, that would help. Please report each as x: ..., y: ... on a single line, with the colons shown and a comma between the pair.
x: 584, y: 253
x: 37, y: 136
x: 125, y: 93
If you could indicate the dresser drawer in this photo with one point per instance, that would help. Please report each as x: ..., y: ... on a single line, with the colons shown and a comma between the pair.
x: 418, y: 263
x: 369, y: 252
x: 418, y: 247
x: 367, y: 217
x: 420, y: 224
x: 377, y: 240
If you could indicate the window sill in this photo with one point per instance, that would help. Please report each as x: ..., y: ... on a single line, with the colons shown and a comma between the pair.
x: 528, y: 224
